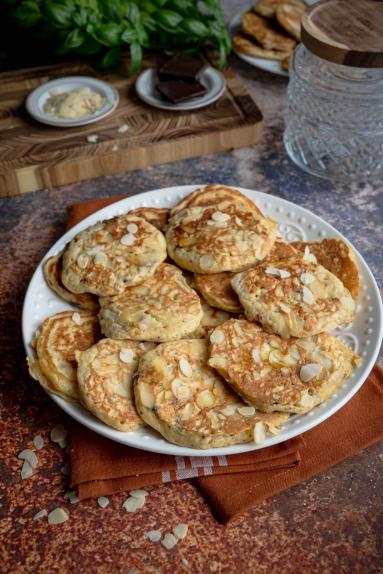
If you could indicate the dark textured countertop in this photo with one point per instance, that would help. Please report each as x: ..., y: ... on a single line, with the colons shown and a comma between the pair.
x: 330, y: 524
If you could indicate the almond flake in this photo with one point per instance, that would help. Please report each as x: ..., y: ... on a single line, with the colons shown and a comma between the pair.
x: 238, y: 329
x: 256, y: 354
x: 138, y: 493
x: 310, y: 371
x: 103, y: 501
x: 153, y: 535
x: 246, y: 411
x: 306, y: 278
x: 284, y: 274
x: 272, y: 271
x: 128, y: 239
x: 57, y: 516
x: 82, y: 261
x: 123, y: 128
x: 94, y: 250
x: 220, y: 216
x: 76, y: 318
x: 101, y: 258
x: 180, y: 390
x: 180, y: 531
x: 126, y: 355
x: 205, y: 399
x: 307, y: 296
x: 238, y: 221
x: 206, y: 261
x: 40, y: 514
x: 309, y: 257
x: 185, y: 367
x: 73, y: 498
x: 92, y: 138
x: 229, y: 410
x: 27, y: 470
x: 28, y: 455
x: 62, y: 443
x: 38, y: 442
x: 146, y: 395
x: 58, y: 433
x: 169, y: 541
x: 132, y: 504
x: 132, y: 228
x: 284, y: 308
x: 259, y: 432
x: 217, y: 337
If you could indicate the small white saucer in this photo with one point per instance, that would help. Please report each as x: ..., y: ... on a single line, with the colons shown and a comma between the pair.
x: 211, y: 78
x: 36, y: 100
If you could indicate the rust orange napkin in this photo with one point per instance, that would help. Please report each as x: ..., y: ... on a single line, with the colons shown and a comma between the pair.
x: 235, y: 483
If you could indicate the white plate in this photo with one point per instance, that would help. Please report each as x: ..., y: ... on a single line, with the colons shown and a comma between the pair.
x: 36, y: 100
x: 273, y: 66
x: 296, y: 223
x: 211, y: 78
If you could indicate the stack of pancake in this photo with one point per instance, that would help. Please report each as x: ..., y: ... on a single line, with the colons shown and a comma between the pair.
x: 271, y: 30
x: 200, y: 321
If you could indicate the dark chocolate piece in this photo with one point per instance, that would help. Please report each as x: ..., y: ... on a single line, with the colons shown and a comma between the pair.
x: 178, y: 90
x: 181, y: 68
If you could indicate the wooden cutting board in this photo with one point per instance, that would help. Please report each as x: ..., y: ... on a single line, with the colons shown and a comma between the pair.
x: 34, y: 156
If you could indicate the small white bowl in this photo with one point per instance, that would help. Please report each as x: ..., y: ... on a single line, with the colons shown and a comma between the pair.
x: 36, y: 100
x: 211, y: 78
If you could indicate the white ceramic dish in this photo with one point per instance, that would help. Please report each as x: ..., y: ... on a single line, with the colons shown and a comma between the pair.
x: 211, y: 78
x: 364, y: 335
x: 36, y: 100
x: 273, y: 66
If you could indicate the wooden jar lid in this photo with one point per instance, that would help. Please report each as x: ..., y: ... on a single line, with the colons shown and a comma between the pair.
x: 348, y: 32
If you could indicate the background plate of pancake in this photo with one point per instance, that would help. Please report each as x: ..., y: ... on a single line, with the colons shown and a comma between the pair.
x: 166, y: 324
x: 266, y: 35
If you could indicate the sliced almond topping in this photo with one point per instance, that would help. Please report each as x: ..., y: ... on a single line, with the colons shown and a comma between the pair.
x: 238, y: 329
x: 103, y: 501
x: 284, y: 308
x: 132, y: 228
x: 57, y: 516
x: 284, y: 274
x: 58, y: 433
x: 169, y: 541
x: 101, y: 258
x: 96, y: 249
x: 306, y: 278
x: 38, y: 442
x: 82, y: 261
x: 229, y: 410
x: 206, y: 261
x: 28, y: 455
x: 138, y: 493
x: 218, y: 362
x: 187, y: 412
x: 272, y: 271
x: 185, y: 367
x: 220, y: 216
x: 180, y: 390
x: 310, y: 371
x: 27, y: 470
x: 128, y: 239
x: 205, y: 399
x: 153, y: 535
x: 180, y: 531
x: 265, y: 351
x: 256, y: 355
x: 40, y: 514
x: 76, y: 318
x: 278, y: 359
x: 238, y: 221
x: 309, y: 257
x: 307, y: 296
x: 259, y: 432
x: 146, y: 395
x: 217, y: 337
x: 246, y: 411
x: 126, y: 355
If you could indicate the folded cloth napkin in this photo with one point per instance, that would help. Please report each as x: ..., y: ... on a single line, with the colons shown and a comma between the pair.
x: 100, y: 467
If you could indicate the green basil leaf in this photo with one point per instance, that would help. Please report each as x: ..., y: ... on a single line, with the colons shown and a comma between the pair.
x: 195, y: 27
x: 89, y: 47
x: 167, y: 19
x: 133, y: 13
x: 80, y: 18
x: 129, y: 35
x: 59, y: 15
x: 110, y: 9
x: 108, y: 34
x: 74, y: 39
x: 135, y: 57
x: 110, y: 58
x: 27, y: 14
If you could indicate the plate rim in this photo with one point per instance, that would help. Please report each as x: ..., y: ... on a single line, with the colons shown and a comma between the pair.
x: 113, y: 434
x: 40, y: 117
x: 181, y: 107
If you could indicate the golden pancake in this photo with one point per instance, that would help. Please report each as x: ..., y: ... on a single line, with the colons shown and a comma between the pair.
x: 259, y: 28
x: 56, y: 344
x: 249, y: 47
x: 157, y: 216
x: 337, y: 257
x: 274, y: 374
x: 189, y: 403
x: 162, y: 308
x: 105, y: 374
x: 214, y: 194
x: 289, y: 17
x: 268, y: 8
x: 52, y: 272
x: 111, y: 255
x: 218, y: 292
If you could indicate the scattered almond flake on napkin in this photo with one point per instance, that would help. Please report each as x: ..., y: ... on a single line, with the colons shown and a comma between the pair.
x: 180, y: 531
x: 57, y: 516
x: 169, y: 541
x: 38, y: 442
x: 29, y: 456
x: 59, y: 434
x: 153, y: 535
x: 103, y: 501
x: 40, y: 514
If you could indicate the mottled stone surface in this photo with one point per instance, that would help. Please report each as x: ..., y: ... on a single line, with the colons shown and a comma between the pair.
x: 331, y: 524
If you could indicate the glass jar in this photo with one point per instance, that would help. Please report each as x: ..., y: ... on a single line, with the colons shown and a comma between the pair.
x: 334, y: 118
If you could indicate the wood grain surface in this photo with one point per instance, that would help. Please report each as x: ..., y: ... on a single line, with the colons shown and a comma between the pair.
x: 34, y: 156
